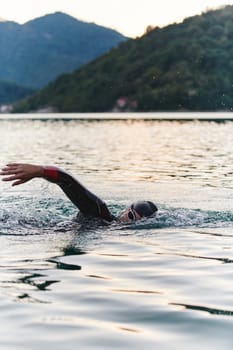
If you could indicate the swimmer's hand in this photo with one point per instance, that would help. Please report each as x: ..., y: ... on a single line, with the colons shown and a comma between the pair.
x: 21, y: 172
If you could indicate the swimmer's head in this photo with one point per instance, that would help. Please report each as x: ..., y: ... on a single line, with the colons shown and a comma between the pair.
x: 137, y: 211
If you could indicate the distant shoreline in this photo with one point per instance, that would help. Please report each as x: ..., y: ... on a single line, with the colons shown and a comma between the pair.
x: 166, y: 116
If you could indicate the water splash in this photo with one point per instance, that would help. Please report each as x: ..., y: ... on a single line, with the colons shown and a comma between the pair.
x: 183, y: 217
x: 31, y: 217
x: 169, y: 217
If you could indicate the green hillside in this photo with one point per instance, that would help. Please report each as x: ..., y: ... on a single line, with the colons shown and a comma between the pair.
x: 186, y: 66
x: 35, y: 53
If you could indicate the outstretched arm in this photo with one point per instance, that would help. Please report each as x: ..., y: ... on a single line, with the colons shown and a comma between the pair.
x: 87, y: 202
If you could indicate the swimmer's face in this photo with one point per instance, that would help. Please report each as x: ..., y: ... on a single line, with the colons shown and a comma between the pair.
x: 129, y: 215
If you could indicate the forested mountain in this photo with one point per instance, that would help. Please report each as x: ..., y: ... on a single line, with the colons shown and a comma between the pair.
x: 11, y: 92
x: 186, y: 66
x: 38, y: 51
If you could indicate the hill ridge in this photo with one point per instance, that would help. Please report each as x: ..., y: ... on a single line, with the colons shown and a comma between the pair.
x: 181, y: 67
x: 36, y: 52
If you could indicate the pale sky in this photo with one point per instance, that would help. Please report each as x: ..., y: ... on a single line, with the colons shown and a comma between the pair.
x: 130, y: 17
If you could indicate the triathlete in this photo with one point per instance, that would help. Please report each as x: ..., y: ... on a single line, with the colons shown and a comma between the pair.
x: 88, y: 203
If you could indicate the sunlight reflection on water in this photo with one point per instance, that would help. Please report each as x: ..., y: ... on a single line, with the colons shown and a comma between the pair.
x: 157, y: 283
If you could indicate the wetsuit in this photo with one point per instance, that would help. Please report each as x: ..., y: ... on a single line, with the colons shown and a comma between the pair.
x: 87, y: 202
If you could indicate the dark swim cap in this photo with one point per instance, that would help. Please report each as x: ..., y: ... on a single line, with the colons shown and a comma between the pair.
x: 144, y: 208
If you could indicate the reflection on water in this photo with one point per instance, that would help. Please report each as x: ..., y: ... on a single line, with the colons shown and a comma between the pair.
x: 207, y: 309
x: 159, y: 282
x: 168, y: 151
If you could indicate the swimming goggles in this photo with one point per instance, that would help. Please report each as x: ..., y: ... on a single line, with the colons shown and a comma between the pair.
x: 132, y: 215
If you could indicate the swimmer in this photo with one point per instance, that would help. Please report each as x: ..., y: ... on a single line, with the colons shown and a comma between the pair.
x: 88, y: 203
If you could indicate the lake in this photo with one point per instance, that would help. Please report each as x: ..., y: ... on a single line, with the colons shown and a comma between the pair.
x: 162, y: 283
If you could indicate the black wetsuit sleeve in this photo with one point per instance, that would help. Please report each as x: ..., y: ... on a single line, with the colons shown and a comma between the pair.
x: 87, y: 202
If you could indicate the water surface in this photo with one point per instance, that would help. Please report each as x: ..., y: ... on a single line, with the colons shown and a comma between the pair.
x: 164, y: 282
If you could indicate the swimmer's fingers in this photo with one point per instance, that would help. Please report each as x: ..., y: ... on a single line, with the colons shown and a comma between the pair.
x: 23, y: 170
x: 16, y: 166
x: 10, y: 169
x: 19, y: 180
x: 18, y: 173
x: 13, y: 177
x: 6, y: 171
x: 13, y: 165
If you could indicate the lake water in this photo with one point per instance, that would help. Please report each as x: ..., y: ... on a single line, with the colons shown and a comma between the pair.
x: 164, y: 283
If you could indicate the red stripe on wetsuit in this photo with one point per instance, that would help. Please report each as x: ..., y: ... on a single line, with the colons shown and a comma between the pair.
x: 51, y: 172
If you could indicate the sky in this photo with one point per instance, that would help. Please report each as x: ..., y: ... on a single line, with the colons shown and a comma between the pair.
x: 129, y: 17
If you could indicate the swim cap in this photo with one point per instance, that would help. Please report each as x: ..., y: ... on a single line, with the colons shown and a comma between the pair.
x: 144, y: 208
